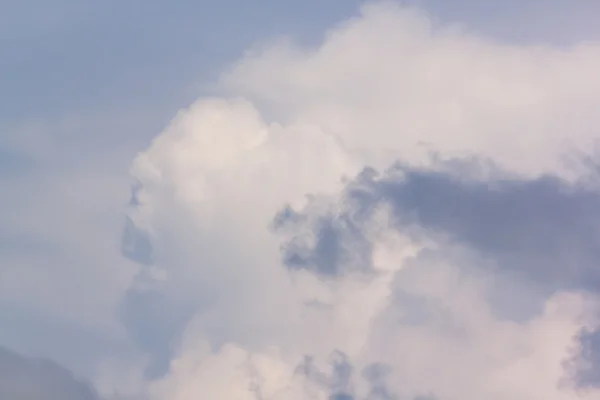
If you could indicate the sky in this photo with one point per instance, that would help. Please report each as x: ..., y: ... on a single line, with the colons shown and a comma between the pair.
x: 330, y: 200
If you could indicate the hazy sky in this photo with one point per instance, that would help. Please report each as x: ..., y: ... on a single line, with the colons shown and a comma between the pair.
x: 292, y: 200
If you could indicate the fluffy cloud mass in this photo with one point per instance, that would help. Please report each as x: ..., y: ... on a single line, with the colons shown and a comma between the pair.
x: 406, y: 211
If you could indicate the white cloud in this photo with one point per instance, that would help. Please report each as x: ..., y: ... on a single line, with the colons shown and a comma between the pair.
x: 300, y: 121
x: 390, y: 81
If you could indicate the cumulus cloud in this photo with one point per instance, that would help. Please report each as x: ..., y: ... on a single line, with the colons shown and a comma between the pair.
x: 394, y: 85
x: 300, y: 241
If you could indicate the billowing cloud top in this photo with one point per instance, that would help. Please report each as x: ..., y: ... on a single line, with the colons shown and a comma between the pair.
x: 405, y: 211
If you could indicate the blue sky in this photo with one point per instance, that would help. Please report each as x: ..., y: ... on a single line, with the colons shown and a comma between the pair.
x: 66, y: 55
x: 90, y: 98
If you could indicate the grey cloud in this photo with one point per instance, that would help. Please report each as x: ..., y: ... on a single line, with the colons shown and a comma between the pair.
x: 23, y: 378
x: 341, y: 396
x: 544, y: 228
x: 584, y: 366
x: 339, y: 241
x: 340, y: 379
x: 545, y: 232
x: 377, y: 375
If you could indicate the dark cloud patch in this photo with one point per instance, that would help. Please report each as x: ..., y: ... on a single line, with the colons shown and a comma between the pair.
x: 544, y: 228
x: 377, y: 376
x: 309, y: 370
x: 341, y: 396
x: 544, y: 233
x: 339, y: 380
x: 583, y: 368
x: 34, y: 379
x: 328, y: 245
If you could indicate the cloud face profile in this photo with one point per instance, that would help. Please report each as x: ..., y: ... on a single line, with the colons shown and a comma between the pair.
x: 406, y: 210
x: 396, y: 213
